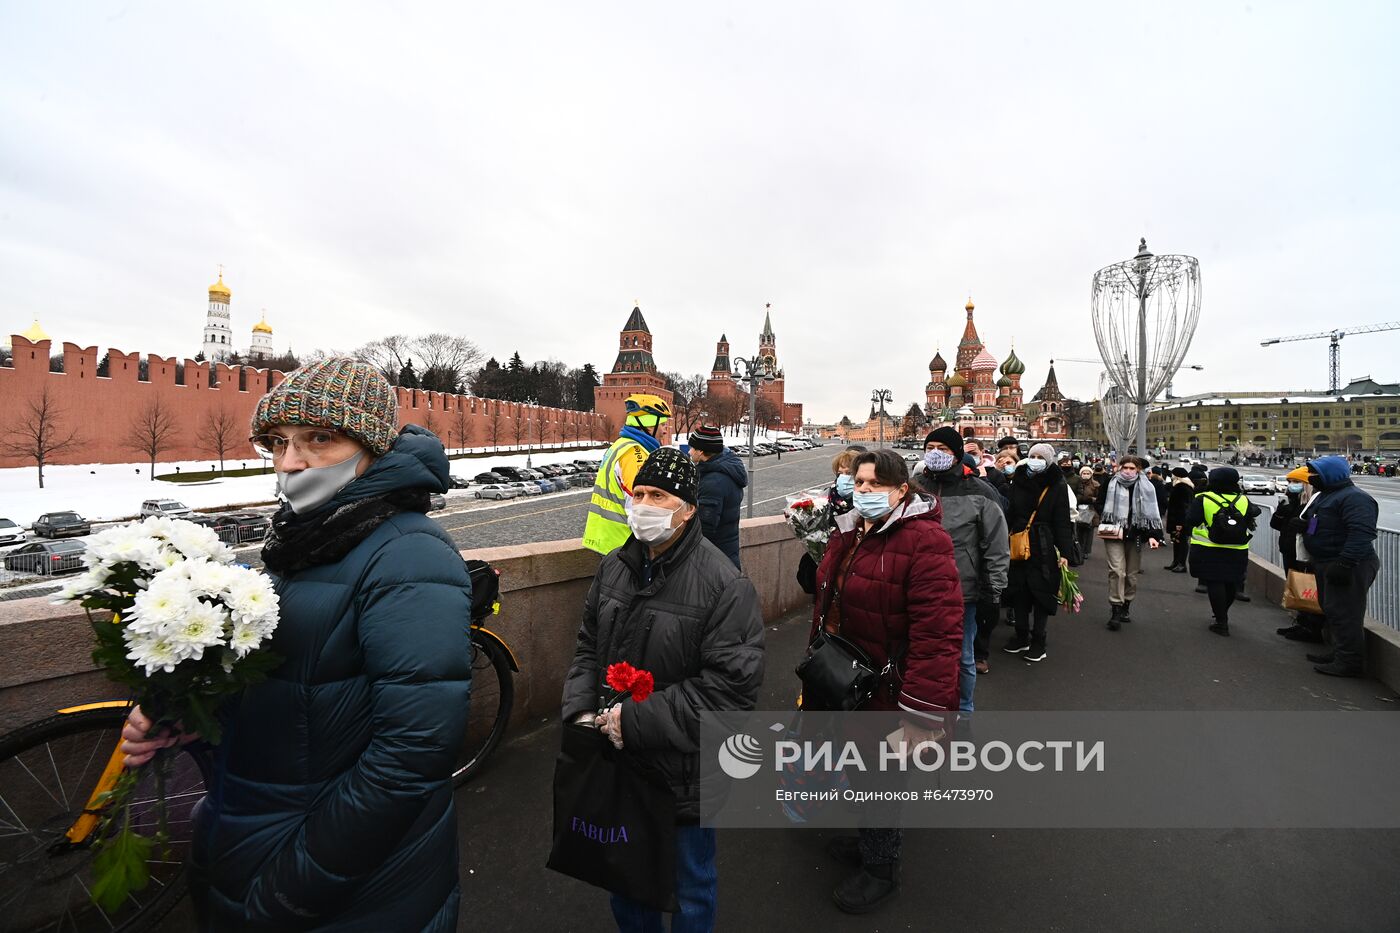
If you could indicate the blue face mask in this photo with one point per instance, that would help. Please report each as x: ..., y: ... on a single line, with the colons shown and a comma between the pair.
x: 872, y: 506
x: 1009, y: 469
x: 938, y: 460
x: 1295, y: 488
x: 845, y: 485
x: 1036, y: 465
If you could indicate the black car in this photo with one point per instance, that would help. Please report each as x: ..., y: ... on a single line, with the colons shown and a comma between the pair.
x: 456, y: 482
x: 225, y: 526
x: 252, y: 526
x: 489, y: 477
x: 510, y: 473
x: 61, y: 525
x: 46, y: 557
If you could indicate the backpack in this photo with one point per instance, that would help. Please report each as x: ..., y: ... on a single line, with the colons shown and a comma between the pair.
x: 486, y: 589
x: 1227, y: 525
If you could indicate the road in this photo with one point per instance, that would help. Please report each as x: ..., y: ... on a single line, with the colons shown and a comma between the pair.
x: 475, y: 523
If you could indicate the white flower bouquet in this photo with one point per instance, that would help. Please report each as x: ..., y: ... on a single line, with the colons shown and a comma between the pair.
x: 188, y: 629
x: 810, y: 517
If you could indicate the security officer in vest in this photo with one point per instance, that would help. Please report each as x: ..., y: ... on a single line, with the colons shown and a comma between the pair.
x: 1220, y: 567
x: 612, y: 488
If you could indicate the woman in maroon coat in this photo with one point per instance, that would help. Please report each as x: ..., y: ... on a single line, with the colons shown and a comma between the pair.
x: 889, y: 583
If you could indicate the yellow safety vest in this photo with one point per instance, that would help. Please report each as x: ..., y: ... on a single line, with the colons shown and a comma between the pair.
x: 1213, y: 502
x: 607, y: 528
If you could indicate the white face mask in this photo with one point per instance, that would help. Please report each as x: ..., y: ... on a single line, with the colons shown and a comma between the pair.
x: 651, y: 524
x: 309, y: 489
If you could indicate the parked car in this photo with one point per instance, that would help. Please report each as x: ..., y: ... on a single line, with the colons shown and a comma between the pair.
x: 46, y: 557
x: 224, y: 526
x: 527, y: 488
x: 740, y: 450
x: 170, y: 508
x: 546, y: 485
x: 456, y: 482
x: 436, y: 501
x: 489, y: 477
x: 1280, y: 484
x: 816, y: 441
x: 61, y: 525
x: 496, y: 491
x: 512, y: 474
x: 10, y: 533
x: 1256, y: 483
x: 588, y: 464
x: 252, y: 526
x: 764, y: 450
x: 581, y: 480
x: 561, y: 483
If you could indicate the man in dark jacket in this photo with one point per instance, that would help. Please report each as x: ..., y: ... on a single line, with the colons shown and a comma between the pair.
x: 972, y: 516
x: 1179, y: 499
x: 722, y: 482
x: 669, y: 602
x: 1338, y: 532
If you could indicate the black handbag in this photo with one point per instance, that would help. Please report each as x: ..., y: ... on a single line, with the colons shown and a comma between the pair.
x: 614, y: 820
x: 836, y: 675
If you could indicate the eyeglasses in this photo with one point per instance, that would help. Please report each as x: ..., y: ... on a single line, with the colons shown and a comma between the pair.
x: 313, y: 442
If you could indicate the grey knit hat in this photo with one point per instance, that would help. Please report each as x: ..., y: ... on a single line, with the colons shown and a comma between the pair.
x: 340, y: 393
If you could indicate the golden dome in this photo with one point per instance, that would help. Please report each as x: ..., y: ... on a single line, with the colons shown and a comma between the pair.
x: 956, y: 379
x: 262, y: 327
x: 35, y: 333
x: 969, y: 303
x: 220, y: 289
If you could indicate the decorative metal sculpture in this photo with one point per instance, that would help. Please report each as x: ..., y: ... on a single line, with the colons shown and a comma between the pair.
x: 1145, y: 314
x: 1120, y: 414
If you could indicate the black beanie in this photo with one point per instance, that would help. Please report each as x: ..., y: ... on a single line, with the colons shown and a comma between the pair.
x: 670, y: 470
x: 1008, y: 441
x: 949, y: 438
x: 1180, y: 471
x: 707, y: 439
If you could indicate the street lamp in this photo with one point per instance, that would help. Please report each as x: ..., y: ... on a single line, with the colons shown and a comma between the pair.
x: 1184, y: 366
x: 752, y: 371
x: 1220, y: 439
x: 880, y: 397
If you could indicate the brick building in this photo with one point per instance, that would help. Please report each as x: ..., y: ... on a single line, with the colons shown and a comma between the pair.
x: 785, y: 415
x: 633, y: 371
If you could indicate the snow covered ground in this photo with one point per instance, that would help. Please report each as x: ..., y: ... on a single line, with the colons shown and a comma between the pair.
x: 104, y: 492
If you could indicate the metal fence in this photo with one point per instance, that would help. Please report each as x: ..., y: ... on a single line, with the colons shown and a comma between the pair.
x: 1383, y: 602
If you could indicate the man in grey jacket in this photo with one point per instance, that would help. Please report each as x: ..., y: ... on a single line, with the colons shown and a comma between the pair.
x: 669, y: 602
x: 973, y: 518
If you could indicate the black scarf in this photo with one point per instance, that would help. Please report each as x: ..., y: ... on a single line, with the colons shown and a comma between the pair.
x: 295, y: 544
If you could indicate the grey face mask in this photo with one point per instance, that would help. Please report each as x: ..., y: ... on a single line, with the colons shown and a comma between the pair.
x: 309, y: 489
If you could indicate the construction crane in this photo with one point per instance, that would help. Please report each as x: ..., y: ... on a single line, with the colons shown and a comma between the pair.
x: 1335, y: 349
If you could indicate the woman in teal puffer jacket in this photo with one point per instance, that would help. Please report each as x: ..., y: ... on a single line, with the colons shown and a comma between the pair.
x: 330, y: 803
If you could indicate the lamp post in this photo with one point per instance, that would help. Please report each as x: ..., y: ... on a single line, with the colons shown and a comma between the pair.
x: 1220, y: 439
x: 752, y: 371
x: 880, y: 397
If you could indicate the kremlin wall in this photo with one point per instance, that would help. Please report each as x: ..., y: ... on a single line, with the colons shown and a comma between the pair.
x: 102, y: 409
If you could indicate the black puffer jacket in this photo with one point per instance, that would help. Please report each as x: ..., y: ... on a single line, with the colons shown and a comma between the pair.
x: 722, y: 482
x: 695, y: 625
x: 1052, y: 535
x: 330, y: 805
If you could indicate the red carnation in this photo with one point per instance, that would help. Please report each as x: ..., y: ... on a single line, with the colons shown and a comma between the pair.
x: 642, y: 685
x: 804, y: 504
x: 621, y: 676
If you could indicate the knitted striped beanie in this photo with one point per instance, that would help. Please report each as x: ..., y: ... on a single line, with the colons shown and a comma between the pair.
x: 340, y: 393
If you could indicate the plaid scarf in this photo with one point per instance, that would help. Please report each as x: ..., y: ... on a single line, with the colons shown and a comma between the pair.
x: 1132, y: 505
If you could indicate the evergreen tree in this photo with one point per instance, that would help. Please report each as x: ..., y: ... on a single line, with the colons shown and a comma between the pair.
x: 407, y: 377
x: 585, y: 381
x: 104, y: 368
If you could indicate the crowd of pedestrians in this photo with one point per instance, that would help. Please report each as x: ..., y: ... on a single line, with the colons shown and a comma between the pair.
x: 330, y: 803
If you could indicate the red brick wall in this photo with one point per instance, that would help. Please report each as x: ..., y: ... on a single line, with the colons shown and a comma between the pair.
x: 103, y: 408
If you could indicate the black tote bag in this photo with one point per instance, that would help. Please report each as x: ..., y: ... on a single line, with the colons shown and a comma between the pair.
x: 614, y: 820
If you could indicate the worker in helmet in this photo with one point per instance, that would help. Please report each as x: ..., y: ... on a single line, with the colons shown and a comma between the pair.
x: 612, y: 488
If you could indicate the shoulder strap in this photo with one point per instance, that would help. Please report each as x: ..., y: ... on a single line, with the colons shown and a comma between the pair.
x: 1037, y: 506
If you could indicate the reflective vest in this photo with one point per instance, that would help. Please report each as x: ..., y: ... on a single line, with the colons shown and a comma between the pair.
x: 607, y: 528
x: 1213, y: 502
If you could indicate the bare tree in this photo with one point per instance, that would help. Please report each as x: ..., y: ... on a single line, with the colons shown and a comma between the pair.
x: 430, y: 419
x: 544, y: 430
x: 219, y: 433
x: 520, y: 427
x: 494, y: 423
x: 153, y: 431
x: 462, y: 426
x: 39, y: 431
x: 444, y: 361
x: 913, y: 422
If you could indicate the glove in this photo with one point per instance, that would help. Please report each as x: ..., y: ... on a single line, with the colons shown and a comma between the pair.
x: 1297, y: 525
x: 1339, y: 573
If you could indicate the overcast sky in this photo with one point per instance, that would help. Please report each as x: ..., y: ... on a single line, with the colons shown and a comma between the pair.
x: 520, y: 173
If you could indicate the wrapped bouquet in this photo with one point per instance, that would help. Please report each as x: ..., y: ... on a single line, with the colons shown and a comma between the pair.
x: 188, y: 629
x: 810, y: 518
x: 1071, y: 599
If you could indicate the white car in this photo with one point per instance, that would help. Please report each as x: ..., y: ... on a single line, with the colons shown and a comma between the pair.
x: 1251, y: 483
x: 1281, y: 483
x: 530, y: 488
x: 167, y: 507
x: 496, y: 491
x: 10, y: 533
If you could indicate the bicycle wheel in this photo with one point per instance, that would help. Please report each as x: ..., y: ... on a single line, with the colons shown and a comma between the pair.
x: 493, y: 693
x: 48, y: 770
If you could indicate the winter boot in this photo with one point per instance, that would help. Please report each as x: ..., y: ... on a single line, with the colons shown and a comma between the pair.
x: 1115, y: 618
x: 868, y: 888
x: 1220, y: 627
x: 1127, y: 605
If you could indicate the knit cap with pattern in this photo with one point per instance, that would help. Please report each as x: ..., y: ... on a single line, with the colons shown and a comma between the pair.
x: 340, y: 393
x: 670, y: 470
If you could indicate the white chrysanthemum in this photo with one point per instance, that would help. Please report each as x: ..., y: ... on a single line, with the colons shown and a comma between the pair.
x: 122, y: 543
x: 88, y: 582
x: 153, y: 652
x: 251, y: 597
x: 209, y: 578
x: 165, y: 600
x: 195, y: 541
x: 157, y: 525
x: 161, y: 558
x: 244, y: 638
x: 202, y: 627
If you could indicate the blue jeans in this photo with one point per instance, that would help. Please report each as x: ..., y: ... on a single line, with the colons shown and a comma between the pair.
x: 696, y: 881
x: 967, y: 667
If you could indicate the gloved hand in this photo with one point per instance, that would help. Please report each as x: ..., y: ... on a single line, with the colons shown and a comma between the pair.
x: 1339, y: 573
x: 1297, y: 525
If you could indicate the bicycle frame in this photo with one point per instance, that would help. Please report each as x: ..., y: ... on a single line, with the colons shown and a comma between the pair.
x: 84, y: 825
x: 510, y: 655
